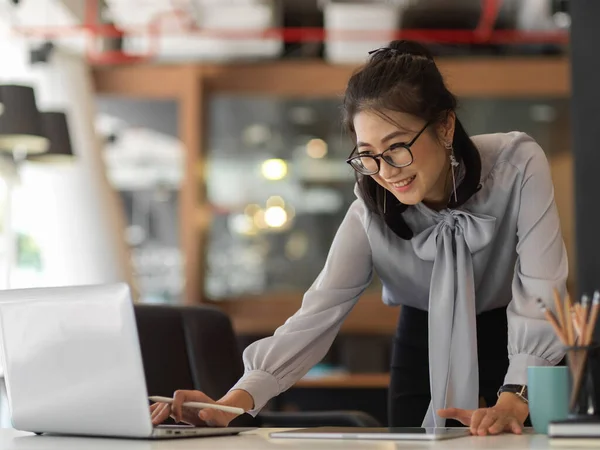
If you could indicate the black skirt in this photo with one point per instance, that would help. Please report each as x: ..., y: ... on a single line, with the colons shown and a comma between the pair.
x: 409, y: 393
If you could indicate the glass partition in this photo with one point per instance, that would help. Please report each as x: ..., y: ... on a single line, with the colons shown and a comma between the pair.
x: 279, y: 187
x: 144, y: 162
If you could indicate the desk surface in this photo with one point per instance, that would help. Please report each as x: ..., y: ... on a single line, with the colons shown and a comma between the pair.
x: 258, y: 440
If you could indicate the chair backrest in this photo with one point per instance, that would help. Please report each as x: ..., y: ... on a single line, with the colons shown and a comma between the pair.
x: 195, y: 347
x: 164, y: 349
x: 215, y: 357
x: 188, y: 347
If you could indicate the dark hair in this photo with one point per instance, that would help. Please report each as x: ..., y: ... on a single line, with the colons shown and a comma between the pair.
x: 403, y: 77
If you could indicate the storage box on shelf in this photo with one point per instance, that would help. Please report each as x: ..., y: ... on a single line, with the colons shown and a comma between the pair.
x: 177, y: 35
x: 342, y: 19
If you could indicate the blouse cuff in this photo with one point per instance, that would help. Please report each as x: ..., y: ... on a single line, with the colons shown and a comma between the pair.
x: 517, y: 368
x: 261, y: 385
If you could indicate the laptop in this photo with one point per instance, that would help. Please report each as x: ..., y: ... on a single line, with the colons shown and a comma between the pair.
x: 72, y: 364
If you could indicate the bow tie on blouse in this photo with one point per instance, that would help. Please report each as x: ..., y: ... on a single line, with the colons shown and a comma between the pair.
x: 453, y: 363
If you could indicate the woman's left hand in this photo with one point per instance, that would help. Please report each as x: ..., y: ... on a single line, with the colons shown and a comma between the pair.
x: 485, y: 421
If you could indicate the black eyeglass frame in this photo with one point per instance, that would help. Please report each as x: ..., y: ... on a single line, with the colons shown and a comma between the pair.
x: 382, y: 155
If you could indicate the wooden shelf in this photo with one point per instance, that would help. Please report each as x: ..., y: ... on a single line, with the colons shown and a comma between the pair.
x: 466, y: 76
x: 143, y: 81
x: 262, y: 315
x: 351, y: 381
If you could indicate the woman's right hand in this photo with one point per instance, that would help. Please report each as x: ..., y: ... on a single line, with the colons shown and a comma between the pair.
x: 204, y: 417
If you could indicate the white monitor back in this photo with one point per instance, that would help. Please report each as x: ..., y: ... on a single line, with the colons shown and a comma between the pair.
x: 72, y: 361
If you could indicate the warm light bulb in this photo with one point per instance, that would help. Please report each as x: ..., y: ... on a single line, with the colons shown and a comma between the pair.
x: 274, y: 169
x: 316, y: 148
x: 275, y: 200
x: 275, y: 217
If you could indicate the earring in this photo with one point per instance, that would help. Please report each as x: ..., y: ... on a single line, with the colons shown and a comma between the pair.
x: 453, y: 165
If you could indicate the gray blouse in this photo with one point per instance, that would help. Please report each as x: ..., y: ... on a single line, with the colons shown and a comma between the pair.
x: 502, y: 247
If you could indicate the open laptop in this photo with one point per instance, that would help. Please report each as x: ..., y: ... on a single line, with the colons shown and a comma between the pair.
x: 73, y: 365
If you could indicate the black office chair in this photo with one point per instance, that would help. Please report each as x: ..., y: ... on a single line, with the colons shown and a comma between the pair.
x: 164, y: 349
x: 213, y: 363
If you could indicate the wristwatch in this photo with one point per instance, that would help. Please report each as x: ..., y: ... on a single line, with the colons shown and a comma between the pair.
x: 518, y: 389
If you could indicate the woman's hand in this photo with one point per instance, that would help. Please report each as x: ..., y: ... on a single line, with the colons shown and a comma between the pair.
x: 204, y: 417
x: 485, y: 421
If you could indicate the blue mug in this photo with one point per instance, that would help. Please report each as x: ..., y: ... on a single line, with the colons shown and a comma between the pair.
x: 548, y: 389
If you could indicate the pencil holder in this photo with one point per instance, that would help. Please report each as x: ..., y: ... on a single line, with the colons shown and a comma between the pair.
x: 584, y: 365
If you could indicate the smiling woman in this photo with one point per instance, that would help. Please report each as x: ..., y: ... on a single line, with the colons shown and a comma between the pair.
x: 388, y: 104
x: 462, y: 231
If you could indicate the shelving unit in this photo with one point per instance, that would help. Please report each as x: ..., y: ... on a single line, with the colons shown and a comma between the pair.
x: 192, y: 84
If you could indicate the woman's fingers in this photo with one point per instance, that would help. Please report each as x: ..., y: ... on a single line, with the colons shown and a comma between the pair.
x: 214, y: 418
x: 476, y: 419
x: 498, y: 426
x: 190, y: 416
x: 193, y: 416
x: 160, y: 413
x: 515, y: 426
x: 489, y: 418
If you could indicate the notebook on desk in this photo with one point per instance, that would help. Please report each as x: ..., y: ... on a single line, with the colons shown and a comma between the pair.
x: 589, y: 428
x: 575, y: 443
x: 73, y: 364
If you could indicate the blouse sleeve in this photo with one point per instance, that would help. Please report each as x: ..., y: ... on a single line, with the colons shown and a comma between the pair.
x: 541, y: 266
x: 275, y: 363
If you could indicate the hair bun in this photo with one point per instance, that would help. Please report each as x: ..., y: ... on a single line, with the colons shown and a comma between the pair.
x: 413, y: 48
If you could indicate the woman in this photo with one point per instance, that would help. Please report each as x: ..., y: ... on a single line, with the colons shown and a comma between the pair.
x: 464, y: 234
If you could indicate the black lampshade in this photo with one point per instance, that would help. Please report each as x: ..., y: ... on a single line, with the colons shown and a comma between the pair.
x: 56, y: 129
x: 20, y: 121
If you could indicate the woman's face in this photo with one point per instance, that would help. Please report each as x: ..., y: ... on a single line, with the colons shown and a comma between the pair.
x: 427, y: 177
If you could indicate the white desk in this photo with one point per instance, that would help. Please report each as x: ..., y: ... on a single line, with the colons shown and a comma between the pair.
x: 258, y: 440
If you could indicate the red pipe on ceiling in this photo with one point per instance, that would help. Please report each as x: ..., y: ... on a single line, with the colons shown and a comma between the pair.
x: 484, y: 33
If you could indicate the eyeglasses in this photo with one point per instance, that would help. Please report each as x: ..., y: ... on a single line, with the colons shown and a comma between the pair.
x: 397, y: 155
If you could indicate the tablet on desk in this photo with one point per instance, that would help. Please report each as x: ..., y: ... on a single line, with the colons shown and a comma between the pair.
x: 386, y: 434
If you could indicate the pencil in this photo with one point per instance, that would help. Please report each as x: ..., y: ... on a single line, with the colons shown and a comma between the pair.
x: 550, y: 318
x: 585, y: 307
x: 559, y: 309
x: 578, y: 312
x: 576, y: 318
x: 569, y: 321
x: 591, y: 323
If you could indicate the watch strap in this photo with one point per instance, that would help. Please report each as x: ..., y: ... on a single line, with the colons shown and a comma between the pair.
x: 519, y: 390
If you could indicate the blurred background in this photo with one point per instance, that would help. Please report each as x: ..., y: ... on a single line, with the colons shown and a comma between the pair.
x: 202, y: 156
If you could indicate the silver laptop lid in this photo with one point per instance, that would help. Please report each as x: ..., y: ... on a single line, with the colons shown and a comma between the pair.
x: 72, y: 361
